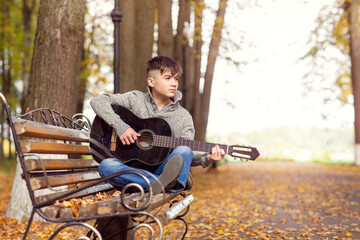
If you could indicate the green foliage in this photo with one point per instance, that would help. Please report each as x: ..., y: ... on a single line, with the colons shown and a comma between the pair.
x: 331, y: 35
x: 15, y: 47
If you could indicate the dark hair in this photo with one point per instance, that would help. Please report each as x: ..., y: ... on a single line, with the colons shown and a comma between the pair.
x: 163, y: 63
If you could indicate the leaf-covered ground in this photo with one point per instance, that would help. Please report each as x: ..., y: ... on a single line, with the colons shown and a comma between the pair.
x: 250, y: 201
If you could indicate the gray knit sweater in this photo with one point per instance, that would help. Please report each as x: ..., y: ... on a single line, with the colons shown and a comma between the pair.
x: 143, y: 106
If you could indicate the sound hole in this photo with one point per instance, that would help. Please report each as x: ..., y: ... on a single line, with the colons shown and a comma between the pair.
x: 145, y: 141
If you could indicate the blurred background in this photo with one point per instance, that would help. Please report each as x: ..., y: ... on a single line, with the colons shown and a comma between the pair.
x: 271, y: 74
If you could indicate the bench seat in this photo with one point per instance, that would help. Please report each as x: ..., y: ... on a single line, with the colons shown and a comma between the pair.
x: 63, y: 180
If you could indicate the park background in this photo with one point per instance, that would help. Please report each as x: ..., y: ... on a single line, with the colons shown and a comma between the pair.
x: 281, y: 83
x: 264, y: 92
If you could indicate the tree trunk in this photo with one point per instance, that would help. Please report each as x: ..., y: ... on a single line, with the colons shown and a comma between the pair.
x: 80, y: 84
x: 354, y: 43
x: 2, y: 132
x: 57, y: 48
x: 144, y: 32
x: 28, y: 7
x: 182, y: 53
x: 5, y: 69
x: 213, y: 52
x: 180, y: 39
x: 199, y: 7
x: 166, y: 40
x: 188, y: 78
x: 127, y: 46
x: 136, y: 36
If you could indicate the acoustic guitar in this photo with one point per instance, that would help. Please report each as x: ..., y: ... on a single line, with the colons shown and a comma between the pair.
x: 154, y: 144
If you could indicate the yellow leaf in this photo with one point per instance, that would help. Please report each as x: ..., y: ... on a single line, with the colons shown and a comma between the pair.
x: 348, y: 234
x: 67, y: 204
x: 221, y: 231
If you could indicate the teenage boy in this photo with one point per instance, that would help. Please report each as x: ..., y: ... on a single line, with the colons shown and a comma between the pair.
x: 161, y: 101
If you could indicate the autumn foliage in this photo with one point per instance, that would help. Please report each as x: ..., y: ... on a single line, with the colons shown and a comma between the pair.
x: 249, y: 201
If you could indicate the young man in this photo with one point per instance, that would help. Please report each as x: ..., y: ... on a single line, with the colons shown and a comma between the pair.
x: 161, y: 101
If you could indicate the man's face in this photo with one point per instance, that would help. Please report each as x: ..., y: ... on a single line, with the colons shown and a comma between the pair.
x: 163, y: 85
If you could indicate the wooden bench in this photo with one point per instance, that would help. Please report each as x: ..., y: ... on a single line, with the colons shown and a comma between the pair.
x: 64, y: 183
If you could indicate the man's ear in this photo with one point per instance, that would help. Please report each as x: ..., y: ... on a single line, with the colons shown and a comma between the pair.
x: 150, y: 81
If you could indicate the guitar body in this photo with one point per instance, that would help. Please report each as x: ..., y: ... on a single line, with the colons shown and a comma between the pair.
x: 139, y: 154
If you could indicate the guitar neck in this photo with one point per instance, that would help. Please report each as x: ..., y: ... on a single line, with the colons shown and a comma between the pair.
x: 171, y: 142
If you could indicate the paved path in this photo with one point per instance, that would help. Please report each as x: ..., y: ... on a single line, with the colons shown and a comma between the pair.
x: 277, y: 201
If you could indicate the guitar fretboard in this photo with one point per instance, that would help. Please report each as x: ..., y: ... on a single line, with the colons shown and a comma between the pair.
x: 171, y: 142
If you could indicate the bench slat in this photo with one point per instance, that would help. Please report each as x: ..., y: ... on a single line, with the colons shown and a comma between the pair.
x: 40, y: 130
x: 86, y: 192
x: 113, y: 205
x: 53, y: 148
x: 57, y: 164
x: 64, y: 179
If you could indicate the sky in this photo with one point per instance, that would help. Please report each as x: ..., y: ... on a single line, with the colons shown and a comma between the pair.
x: 269, y: 92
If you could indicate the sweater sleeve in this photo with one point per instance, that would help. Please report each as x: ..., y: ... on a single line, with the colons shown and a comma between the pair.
x: 200, y: 158
x: 102, y: 107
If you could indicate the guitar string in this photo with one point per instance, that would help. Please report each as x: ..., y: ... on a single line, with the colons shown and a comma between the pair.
x: 170, y: 141
x: 166, y: 141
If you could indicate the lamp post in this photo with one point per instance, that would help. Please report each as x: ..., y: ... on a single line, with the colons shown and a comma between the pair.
x: 116, y: 16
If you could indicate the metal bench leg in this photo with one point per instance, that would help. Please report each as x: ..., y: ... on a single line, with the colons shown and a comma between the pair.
x: 98, y: 235
x: 186, y: 227
x: 29, y: 223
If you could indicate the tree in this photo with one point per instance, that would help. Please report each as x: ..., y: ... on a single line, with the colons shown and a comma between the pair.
x: 352, y: 9
x: 137, y: 38
x: 338, y: 29
x: 137, y: 30
x: 28, y: 12
x: 54, y: 68
x: 57, y: 49
x: 209, y: 73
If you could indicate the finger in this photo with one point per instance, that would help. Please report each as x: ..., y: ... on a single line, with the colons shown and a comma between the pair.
x: 218, y: 148
x: 213, y: 151
x: 135, y: 136
x: 218, y: 151
x: 122, y: 140
x: 133, y: 132
x: 126, y: 140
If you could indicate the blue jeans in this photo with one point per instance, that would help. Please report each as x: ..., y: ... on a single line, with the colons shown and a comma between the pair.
x: 112, y: 165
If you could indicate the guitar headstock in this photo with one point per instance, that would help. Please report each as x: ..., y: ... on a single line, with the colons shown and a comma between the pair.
x: 243, y: 152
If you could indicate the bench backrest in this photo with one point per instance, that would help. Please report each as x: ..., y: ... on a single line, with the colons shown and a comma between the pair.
x: 54, y: 154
